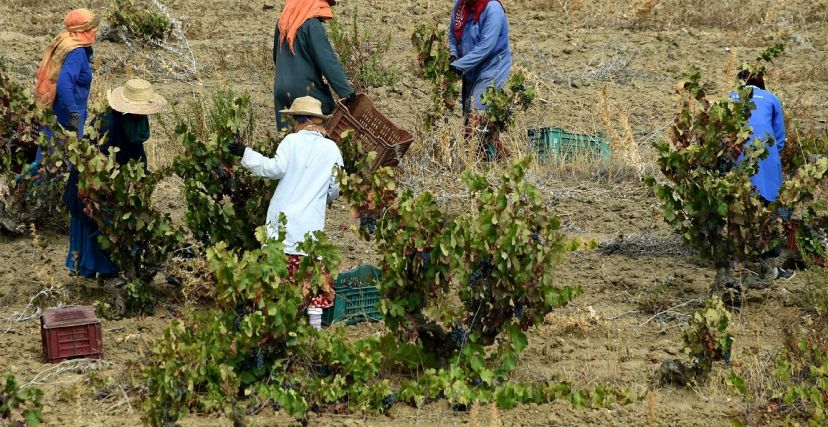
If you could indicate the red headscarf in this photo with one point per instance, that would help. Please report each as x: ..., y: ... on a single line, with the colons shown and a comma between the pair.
x: 468, y: 9
x: 296, y: 12
x: 81, y: 26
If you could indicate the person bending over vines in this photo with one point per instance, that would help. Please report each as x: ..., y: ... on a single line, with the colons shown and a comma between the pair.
x: 480, y: 53
x: 305, y: 163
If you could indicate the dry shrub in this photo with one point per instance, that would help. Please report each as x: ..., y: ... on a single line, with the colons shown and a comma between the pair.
x: 573, y: 322
x: 729, y: 72
x: 622, y: 142
x: 660, y: 15
x: 188, y: 270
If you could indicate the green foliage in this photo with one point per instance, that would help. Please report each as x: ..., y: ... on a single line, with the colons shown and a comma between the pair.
x: 502, y: 257
x: 801, y: 372
x: 19, y: 131
x: 28, y: 194
x: 706, y: 339
x: 140, y: 19
x: 501, y: 103
x: 20, y: 407
x: 709, y: 199
x: 758, y: 67
x: 224, y: 202
x: 434, y: 59
x: 802, y: 145
x: 515, y: 243
x: 812, y: 234
x: 361, y: 54
x: 256, y: 341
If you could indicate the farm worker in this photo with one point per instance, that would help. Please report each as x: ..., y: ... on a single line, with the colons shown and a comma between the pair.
x: 479, y: 45
x: 125, y: 126
x: 303, y: 55
x: 767, y: 124
x: 305, y: 165
x: 64, y: 78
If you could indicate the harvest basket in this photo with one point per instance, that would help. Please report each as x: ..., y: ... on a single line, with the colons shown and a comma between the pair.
x: 356, y: 297
x: 566, y: 145
x: 380, y: 134
x: 71, y: 333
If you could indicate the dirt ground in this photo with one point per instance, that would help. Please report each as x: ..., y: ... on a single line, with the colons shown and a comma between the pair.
x: 580, y: 56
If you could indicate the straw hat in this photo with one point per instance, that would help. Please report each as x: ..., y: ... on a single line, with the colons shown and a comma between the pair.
x: 305, y: 106
x: 136, y: 97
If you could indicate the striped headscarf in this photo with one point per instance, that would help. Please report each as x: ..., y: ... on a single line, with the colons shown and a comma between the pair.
x: 81, y: 25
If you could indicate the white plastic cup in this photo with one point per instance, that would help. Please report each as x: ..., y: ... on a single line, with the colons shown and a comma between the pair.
x: 315, y: 317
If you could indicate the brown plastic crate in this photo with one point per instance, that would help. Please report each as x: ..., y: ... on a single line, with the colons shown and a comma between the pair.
x: 71, y: 333
x: 382, y: 136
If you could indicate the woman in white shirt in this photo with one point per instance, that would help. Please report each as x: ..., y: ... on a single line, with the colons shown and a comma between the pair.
x: 306, y: 162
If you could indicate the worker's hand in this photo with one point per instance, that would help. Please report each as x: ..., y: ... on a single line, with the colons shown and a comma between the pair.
x: 350, y: 99
x: 456, y: 70
x: 452, y: 58
x: 74, y: 122
x: 236, y: 148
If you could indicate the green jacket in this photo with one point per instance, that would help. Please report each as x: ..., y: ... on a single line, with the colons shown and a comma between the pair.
x: 300, y: 74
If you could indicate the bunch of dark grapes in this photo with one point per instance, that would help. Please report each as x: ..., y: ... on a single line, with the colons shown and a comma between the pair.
x: 519, y: 311
x: 458, y: 335
x: 725, y: 165
x: 367, y: 223
x: 322, y: 370
x: 484, y: 271
x: 536, y: 236
x: 259, y: 358
x: 389, y: 401
x: 240, y: 310
x: 425, y: 257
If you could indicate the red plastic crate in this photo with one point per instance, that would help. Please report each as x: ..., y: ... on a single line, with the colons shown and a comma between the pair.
x: 71, y: 333
x: 380, y: 134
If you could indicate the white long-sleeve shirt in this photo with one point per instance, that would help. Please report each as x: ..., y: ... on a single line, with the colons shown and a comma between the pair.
x: 305, y: 165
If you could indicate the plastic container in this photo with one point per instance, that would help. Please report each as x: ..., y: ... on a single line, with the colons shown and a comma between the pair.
x: 567, y: 146
x: 356, y: 298
x: 315, y: 317
x: 71, y: 333
x: 377, y: 132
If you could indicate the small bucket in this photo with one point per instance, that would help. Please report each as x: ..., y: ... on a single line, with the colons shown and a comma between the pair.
x: 315, y: 317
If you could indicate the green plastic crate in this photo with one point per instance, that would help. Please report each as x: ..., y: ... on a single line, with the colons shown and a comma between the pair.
x: 565, y: 145
x: 356, y: 298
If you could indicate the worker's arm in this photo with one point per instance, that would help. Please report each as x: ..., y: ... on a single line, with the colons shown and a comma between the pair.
x: 265, y: 167
x: 452, y: 39
x: 325, y: 58
x: 493, y: 23
x: 778, y: 119
x: 67, y: 79
x: 333, y: 185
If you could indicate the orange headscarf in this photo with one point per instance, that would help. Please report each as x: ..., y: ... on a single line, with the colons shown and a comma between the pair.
x: 81, y: 26
x: 296, y: 12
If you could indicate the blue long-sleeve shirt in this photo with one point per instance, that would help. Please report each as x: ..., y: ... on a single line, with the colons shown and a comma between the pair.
x: 73, y: 85
x: 767, y: 123
x: 483, y: 52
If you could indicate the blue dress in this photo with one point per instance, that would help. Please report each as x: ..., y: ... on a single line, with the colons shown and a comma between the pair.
x: 85, y: 256
x: 483, y: 53
x: 767, y: 124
